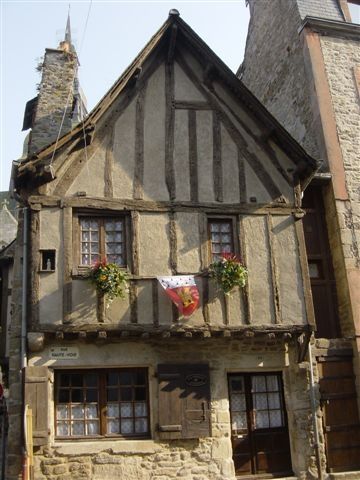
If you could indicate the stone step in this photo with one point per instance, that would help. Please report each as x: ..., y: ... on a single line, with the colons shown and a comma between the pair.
x: 344, y: 476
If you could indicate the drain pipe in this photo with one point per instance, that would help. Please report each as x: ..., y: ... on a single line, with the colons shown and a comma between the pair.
x: 314, y: 417
x: 24, y: 289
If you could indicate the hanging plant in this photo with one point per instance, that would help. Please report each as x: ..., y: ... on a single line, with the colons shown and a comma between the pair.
x: 109, y: 279
x: 228, y: 272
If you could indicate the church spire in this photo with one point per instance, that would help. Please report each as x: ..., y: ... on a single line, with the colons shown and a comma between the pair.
x: 68, y: 29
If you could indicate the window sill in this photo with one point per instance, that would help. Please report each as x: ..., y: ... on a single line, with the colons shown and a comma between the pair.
x: 84, y: 446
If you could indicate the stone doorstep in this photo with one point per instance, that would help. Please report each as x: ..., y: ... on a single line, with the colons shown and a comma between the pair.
x: 256, y: 477
x: 355, y: 475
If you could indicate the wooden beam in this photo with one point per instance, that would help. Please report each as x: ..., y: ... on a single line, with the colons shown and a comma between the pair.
x: 273, y: 270
x: 243, y: 255
x: 217, y: 160
x: 119, y: 205
x: 155, y: 301
x: 242, y: 177
x: 109, y: 165
x: 169, y: 130
x: 193, y: 156
x: 67, y: 219
x: 191, y: 105
x: 138, y: 185
x: 172, y: 43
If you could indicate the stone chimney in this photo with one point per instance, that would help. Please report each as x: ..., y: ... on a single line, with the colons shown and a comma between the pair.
x: 58, y: 98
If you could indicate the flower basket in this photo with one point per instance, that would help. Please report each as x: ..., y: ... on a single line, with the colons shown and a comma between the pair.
x: 228, y: 272
x: 109, y: 279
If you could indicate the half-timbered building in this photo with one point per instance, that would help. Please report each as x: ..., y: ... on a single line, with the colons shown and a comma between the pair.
x: 177, y: 163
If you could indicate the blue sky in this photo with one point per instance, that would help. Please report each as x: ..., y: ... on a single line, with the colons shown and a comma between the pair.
x: 116, y: 31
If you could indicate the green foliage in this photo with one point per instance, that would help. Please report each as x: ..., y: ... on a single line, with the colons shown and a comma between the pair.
x: 228, y: 273
x: 109, y: 279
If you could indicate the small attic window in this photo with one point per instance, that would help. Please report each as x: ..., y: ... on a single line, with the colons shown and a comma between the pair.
x: 47, y: 258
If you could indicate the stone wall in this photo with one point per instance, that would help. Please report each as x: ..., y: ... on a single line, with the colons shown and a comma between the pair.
x: 199, y: 459
x: 341, y: 57
x: 277, y: 77
x: 14, y: 401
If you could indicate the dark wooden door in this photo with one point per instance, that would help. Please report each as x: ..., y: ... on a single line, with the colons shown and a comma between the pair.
x: 340, y: 413
x: 260, y: 436
x: 321, y: 271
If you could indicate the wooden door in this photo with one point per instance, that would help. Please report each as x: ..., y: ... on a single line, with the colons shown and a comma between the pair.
x: 260, y: 436
x: 321, y: 271
x: 340, y: 413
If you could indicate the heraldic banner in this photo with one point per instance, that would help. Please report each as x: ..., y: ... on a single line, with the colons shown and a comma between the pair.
x: 183, y: 292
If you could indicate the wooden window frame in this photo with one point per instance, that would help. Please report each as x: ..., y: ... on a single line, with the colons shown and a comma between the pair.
x: 102, y: 403
x: 233, y: 232
x: 78, y: 268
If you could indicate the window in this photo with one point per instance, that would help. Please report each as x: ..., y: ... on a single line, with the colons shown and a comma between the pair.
x: 104, y: 402
x: 221, y: 237
x: 102, y: 237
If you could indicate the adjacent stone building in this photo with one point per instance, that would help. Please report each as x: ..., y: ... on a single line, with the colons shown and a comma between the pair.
x: 176, y: 164
x: 308, y: 77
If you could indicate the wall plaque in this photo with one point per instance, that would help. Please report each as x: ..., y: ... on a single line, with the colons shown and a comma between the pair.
x: 64, y: 353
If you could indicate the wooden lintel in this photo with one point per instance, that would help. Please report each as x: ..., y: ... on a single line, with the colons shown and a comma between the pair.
x: 193, y: 105
x: 121, y: 205
x: 172, y: 43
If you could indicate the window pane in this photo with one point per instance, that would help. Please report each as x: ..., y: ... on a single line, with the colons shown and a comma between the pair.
x: 274, y: 400
x: 64, y: 380
x: 113, y: 426
x: 140, y: 409
x: 63, y: 429
x: 126, y: 410
x: 77, y: 396
x: 258, y: 383
x: 78, y: 428
x: 112, y: 394
x: 92, y: 428
x: 112, y: 378
x: 140, y: 394
x: 276, y: 419
x: 62, y: 412
x: 262, y: 420
x: 141, y: 425
x: 237, y: 384
x: 76, y: 380
x: 126, y: 394
x: 113, y: 410
x: 91, y: 395
x: 225, y: 227
x: 272, y: 383
x: 239, y: 421
x: 91, y: 411
x: 64, y: 396
x: 260, y: 401
x: 238, y: 402
x: 77, y: 411
x: 126, y: 426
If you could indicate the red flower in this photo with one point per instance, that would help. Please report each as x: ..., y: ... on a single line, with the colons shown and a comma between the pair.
x: 228, y: 256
